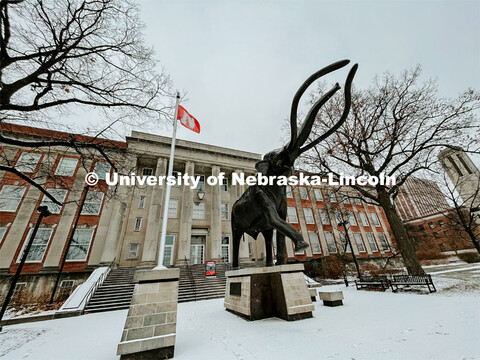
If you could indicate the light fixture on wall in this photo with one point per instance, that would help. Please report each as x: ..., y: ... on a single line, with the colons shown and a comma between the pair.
x: 200, y: 194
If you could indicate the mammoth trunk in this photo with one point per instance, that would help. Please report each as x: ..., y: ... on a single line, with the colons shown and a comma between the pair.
x: 405, y: 244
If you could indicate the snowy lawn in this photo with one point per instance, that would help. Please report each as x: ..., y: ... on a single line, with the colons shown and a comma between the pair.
x: 371, y: 325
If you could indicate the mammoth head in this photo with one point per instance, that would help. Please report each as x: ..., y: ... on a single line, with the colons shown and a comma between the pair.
x: 280, y: 161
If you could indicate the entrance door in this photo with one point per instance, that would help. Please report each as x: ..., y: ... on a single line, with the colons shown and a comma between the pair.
x: 197, y: 249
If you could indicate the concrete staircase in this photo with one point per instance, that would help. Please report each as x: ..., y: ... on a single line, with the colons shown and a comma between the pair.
x: 115, y: 293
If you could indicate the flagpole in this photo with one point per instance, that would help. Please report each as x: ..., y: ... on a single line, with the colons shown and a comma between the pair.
x: 161, y: 251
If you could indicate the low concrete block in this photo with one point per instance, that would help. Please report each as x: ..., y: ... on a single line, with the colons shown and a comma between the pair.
x: 331, y: 298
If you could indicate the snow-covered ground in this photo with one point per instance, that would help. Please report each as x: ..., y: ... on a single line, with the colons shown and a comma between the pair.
x: 370, y: 325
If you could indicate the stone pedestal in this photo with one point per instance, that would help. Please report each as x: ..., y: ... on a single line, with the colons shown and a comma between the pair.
x: 277, y: 291
x: 151, y: 323
x: 331, y: 298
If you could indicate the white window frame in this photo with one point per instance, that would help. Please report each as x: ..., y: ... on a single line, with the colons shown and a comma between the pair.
x: 27, y: 239
x: 23, y: 165
x: 84, y: 212
x: 141, y: 201
x: 62, y: 168
x: 345, y: 199
x: 364, y: 219
x: 198, y: 210
x: 171, y: 247
x: 315, y: 250
x: 224, y: 186
x: 290, y: 216
x: 375, y: 220
x: 52, y: 207
x: 173, y: 208
x: 101, y: 175
x: 138, y: 224
x: 8, y: 196
x: 330, y: 239
x: 383, y: 242
x: 227, y: 246
x: 372, y: 242
x: 308, y: 214
x: 3, y: 231
x: 92, y: 231
x: 332, y: 198
x: 133, y: 253
x: 64, y: 282
x: 289, y: 192
x: 222, y: 212
x: 318, y: 194
x: 351, y: 218
x: 201, y: 183
x: 358, y: 201
x: 359, y: 242
x: 303, y: 193
x: 325, y: 217
x: 344, y: 242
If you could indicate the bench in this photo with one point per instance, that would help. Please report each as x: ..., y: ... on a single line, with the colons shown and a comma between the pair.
x: 423, y: 280
x: 379, y: 281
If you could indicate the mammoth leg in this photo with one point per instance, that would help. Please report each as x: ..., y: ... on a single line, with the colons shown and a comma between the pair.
x: 237, y: 236
x: 268, y: 236
x: 280, y: 248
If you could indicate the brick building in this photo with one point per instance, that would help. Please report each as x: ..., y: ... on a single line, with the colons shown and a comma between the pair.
x: 122, y: 225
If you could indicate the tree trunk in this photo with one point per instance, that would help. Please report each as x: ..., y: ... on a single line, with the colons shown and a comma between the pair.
x: 476, y: 243
x: 405, y: 244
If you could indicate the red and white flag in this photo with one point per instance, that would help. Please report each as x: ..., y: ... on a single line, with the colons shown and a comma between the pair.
x: 188, y: 120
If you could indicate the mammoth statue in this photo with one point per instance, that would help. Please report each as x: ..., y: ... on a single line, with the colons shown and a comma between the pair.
x: 263, y: 208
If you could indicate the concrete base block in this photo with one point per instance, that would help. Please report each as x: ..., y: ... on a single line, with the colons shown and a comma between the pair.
x: 331, y: 298
x: 150, y: 328
x: 258, y: 293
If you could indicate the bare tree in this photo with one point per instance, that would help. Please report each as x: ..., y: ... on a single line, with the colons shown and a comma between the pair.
x: 59, y: 56
x: 394, y: 128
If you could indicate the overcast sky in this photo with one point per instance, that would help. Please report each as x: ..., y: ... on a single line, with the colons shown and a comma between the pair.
x: 241, y: 62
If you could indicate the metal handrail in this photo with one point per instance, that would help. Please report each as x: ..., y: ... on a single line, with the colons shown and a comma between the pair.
x: 190, y: 275
x: 99, y: 282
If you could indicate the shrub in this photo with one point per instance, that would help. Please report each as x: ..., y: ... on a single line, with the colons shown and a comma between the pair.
x: 469, y: 257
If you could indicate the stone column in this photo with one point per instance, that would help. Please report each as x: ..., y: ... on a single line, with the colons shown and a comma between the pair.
x: 151, y: 324
x: 114, y: 233
x: 215, y: 220
x: 186, y: 218
x: 243, y: 255
x: 154, y: 220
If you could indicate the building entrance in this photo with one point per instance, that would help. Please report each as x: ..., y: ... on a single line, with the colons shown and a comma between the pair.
x: 197, y: 249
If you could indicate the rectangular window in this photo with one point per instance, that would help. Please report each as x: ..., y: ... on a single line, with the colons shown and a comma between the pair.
x: 224, y: 186
x: 66, y: 166
x: 226, y: 249
x: 371, y: 241
x: 383, y: 242
x: 289, y: 192
x: 316, y: 248
x: 331, y: 245
x: 455, y: 165
x: 250, y: 249
x: 141, y: 202
x: 80, y: 245
x: 318, y: 194
x: 441, y: 223
x: 67, y: 283
x: 201, y: 181
x: 224, y: 211
x: 351, y: 219
x: 303, y: 193
x: 173, y: 208
x: 133, y: 250
x: 10, y: 197
x: 358, y: 200
x: 338, y: 217
x: 27, y: 162
x: 59, y: 195
x: 101, y: 169
x: 345, y: 198
x: 138, y: 224
x: 176, y: 174
x: 363, y: 218
x: 464, y: 163
x: 168, y: 252
x: 198, y: 210
x: 331, y: 197
x: 376, y: 222
x: 93, y: 203
x: 308, y: 216
x: 39, y: 245
x: 292, y: 215
x: 324, y: 217
x: 3, y: 230
x: 431, y: 225
x: 147, y: 171
x: 345, y: 245
x: 359, y: 242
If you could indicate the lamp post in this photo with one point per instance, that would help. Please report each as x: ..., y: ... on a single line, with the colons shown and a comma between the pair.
x: 344, y: 223
x: 82, y: 201
x: 44, y: 212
